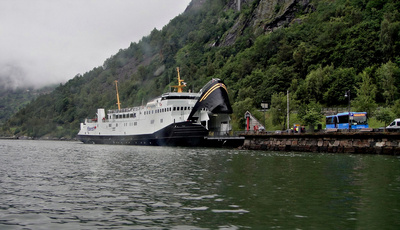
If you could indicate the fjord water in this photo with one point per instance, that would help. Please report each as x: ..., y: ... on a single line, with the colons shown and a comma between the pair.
x: 69, y: 185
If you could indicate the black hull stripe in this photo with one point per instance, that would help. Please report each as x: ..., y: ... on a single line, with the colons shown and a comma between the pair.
x: 179, y: 134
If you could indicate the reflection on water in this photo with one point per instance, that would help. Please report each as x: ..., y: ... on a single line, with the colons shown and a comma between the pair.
x: 68, y: 185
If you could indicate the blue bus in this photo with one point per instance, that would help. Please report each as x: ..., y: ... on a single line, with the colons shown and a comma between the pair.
x: 358, y: 120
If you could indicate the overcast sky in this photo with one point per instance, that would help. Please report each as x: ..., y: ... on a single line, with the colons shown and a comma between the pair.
x: 50, y: 41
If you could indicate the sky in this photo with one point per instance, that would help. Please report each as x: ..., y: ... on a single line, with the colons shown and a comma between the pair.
x: 45, y: 42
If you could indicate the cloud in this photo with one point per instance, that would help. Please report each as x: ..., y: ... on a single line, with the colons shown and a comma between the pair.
x: 46, y: 42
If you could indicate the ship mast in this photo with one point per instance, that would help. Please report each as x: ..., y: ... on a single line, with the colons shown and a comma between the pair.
x: 118, y: 103
x: 179, y: 86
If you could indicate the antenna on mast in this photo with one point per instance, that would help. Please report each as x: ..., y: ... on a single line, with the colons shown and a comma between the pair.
x: 179, y: 86
x: 118, y: 103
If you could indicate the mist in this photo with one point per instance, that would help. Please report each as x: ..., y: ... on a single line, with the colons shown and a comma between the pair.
x: 47, y: 42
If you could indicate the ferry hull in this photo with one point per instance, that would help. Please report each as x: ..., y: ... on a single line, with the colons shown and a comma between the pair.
x: 177, y: 134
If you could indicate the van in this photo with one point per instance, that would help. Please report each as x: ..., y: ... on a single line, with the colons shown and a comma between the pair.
x: 395, y: 124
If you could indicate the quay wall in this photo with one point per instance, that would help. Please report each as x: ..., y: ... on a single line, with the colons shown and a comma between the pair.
x: 358, y: 142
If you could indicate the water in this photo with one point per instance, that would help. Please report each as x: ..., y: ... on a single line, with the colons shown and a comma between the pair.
x: 68, y: 185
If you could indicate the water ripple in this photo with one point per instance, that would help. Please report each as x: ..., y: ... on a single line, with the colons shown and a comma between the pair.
x: 68, y: 185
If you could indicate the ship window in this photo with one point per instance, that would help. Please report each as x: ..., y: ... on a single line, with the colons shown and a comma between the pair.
x: 135, y: 124
x: 123, y: 116
x: 161, y: 120
x: 177, y: 108
x: 109, y: 125
x: 116, y: 125
x: 152, y: 122
x: 174, y: 108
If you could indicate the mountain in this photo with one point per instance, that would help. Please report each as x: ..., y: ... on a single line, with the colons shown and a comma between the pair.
x: 316, y: 49
x: 12, y: 100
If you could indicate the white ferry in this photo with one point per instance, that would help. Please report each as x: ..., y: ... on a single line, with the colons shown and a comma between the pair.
x: 175, y: 118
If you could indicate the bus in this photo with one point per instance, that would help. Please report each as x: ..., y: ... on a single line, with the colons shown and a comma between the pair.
x: 358, y: 120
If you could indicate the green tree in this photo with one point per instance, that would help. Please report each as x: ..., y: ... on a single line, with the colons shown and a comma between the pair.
x: 366, y: 93
x: 389, y: 73
x: 240, y: 108
x: 310, y: 114
x: 390, y: 33
x: 342, y: 79
x: 396, y: 108
x: 317, y: 81
x: 278, y: 109
x: 385, y: 115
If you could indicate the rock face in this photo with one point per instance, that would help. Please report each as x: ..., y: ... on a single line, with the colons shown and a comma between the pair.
x: 195, y: 4
x: 265, y: 16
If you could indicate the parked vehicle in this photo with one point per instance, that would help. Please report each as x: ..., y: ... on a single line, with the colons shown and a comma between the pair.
x: 394, y: 125
x: 358, y: 120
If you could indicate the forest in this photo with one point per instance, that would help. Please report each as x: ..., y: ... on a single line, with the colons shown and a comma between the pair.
x: 319, y: 50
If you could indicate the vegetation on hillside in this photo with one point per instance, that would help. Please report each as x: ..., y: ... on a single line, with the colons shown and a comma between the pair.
x: 339, y: 46
x: 12, y: 100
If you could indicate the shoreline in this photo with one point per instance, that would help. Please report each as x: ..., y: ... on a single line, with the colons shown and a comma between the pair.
x: 386, y: 143
x: 327, y: 142
x: 38, y: 139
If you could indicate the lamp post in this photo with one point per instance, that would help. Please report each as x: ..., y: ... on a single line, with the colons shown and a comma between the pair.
x: 347, y: 94
x: 288, y: 112
x: 264, y: 105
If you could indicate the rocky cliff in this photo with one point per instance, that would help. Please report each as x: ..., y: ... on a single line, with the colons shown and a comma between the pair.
x: 263, y: 16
